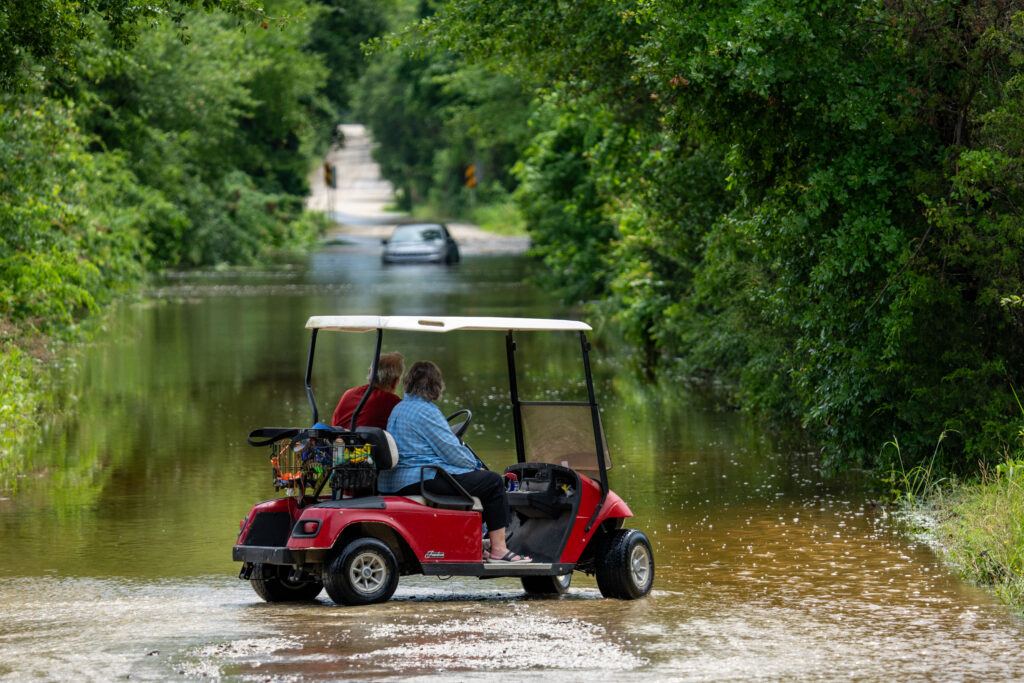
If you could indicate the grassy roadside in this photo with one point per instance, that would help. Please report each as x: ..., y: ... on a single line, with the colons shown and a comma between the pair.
x: 979, y: 529
x: 976, y: 526
x: 501, y: 218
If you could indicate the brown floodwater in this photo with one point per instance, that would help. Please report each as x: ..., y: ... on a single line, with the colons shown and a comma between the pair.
x: 117, y: 547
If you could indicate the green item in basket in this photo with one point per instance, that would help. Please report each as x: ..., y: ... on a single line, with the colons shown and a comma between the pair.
x: 357, y: 455
x: 352, y: 455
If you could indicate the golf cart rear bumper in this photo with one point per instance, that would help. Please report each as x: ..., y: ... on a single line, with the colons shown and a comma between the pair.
x: 266, y: 554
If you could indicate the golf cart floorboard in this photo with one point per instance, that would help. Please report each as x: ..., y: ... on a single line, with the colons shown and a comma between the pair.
x: 495, y: 569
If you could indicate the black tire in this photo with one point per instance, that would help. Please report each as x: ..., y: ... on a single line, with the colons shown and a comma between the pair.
x: 625, y: 565
x: 273, y: 585
x: 375, y: 570
x: 546, y: 585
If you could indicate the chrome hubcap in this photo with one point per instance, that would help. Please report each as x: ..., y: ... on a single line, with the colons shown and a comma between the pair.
x: 367, y: 573
x: 640, y: 565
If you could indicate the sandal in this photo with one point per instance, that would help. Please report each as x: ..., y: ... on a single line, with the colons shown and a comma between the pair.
x: 508, y: 558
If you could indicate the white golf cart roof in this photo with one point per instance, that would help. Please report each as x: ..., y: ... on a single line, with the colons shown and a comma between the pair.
x: 426, y: 323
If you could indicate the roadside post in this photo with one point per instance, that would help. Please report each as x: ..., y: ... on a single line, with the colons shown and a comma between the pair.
x: 331, y: 181
x: 471, y: 183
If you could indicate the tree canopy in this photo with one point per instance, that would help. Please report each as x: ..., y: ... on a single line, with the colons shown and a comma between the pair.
x: 136, y: 136
x: 816, y: 202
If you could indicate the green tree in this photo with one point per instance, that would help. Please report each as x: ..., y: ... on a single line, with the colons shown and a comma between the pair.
x: 223, y: 127
x: 814, y: 200
x: 337, y: 34
x: 399, y: 99
x: 69, y: 231
x: 433, y: 115
x: 561, y: 199
x: 45, y: 35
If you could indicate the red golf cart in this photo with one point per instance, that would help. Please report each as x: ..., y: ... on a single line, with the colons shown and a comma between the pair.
x: 333, y: 530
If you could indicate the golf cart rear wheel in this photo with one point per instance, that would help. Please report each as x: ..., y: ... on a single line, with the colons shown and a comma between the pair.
x: 364, y: 572
x: 273, y: 585
x: 546, y: 585
x: 625, y: 565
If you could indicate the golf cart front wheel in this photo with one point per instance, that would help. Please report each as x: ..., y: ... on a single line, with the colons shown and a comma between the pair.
x: 546, y: 585
x: 271, y: 583
x: 625, y: 565
x: 363, y: 573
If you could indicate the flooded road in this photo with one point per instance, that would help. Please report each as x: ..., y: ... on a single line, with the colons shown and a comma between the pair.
x: 117, y: 552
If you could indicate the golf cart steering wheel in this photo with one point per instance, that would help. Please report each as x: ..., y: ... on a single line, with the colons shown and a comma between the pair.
x: 460, y: 428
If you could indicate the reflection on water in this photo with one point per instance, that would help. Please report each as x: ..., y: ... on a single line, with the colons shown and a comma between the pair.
x: 118, y: 550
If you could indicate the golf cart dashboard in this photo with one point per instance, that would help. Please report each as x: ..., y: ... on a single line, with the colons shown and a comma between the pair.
x: 545, y: 490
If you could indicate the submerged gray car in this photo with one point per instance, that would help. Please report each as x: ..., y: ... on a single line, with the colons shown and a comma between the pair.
x: 421, y: 243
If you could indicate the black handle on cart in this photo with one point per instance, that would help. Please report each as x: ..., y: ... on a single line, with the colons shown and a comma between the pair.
x: 269, y: 435
x: 266, y: 436
x: 463, y: 501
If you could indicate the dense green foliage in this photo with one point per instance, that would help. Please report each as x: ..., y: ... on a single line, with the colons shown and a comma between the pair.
x: 139, y: 136
x: 341, y: 27
x: 44, y: 35
x: 173, y: 153
x: 562, y: 202
x: 818, y: 202
x: 434, y: 116
x: 223, y: 127
x: 68, y: 228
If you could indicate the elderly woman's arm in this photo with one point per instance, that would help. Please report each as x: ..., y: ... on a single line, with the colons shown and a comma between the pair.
x: 440, y: 435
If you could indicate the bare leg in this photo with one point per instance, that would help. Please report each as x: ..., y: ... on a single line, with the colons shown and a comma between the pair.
x: 498, y: 547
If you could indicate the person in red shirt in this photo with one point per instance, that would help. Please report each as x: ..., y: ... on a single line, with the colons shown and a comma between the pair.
x: 377, y: 409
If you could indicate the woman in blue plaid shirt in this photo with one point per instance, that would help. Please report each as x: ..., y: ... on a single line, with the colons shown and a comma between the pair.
x: 424, y: 437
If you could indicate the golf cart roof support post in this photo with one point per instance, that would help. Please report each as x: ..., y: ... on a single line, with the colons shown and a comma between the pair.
x: 373, y: 381
x: 309, y: 376
x: 595, y: 414
x: 513, y: 390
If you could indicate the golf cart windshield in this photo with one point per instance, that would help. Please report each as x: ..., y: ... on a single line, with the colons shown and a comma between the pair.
x: 561, y: 434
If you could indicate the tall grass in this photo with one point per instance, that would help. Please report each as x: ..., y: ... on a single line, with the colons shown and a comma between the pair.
x: 910, y: 486
x: 981, y: 530
x: 501, y: 218
x: 980, y: 526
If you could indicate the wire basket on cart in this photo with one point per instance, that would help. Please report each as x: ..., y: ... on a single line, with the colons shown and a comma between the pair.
x: 354, y: 472
x: 303, y: 467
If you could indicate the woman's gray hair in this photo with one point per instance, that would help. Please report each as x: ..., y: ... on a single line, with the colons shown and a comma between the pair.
x: 389, y: 370
x: 424, y: 380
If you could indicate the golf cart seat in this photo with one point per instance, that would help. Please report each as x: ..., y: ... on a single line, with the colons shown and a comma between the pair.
x: 458, y: 505
x: 386, y: 457
x: 460, y: 500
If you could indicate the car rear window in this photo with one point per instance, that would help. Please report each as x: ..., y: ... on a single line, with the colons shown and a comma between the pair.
x: 417, y: 233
